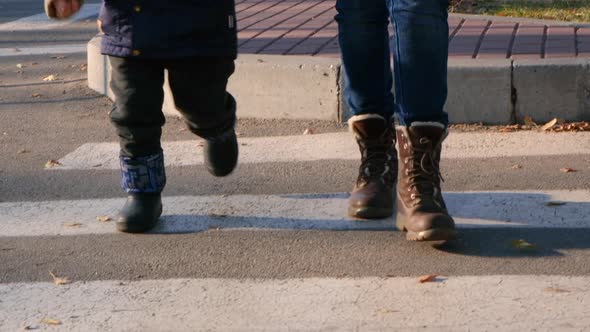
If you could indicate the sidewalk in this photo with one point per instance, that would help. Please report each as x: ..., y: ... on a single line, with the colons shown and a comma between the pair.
x: 308, y: 28
x: 500, y: 69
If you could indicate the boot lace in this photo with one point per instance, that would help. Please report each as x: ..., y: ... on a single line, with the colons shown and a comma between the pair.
x: 423, y: 172
x: 378, y: 160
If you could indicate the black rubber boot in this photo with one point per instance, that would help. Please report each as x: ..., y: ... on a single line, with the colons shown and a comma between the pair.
x: 221, y: 150
x: 140, y: 213
x: 143, y: 178
x: 221, y: 153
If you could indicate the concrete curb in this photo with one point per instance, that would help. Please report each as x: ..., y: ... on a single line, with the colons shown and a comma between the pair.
x: 491, y: 91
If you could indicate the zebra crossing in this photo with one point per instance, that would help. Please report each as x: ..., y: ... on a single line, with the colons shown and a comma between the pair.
x: 544, y: 289
x: 281, y: 258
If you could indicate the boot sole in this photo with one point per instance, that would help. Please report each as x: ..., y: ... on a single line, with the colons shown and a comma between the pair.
x: 368, y: 212
x: 138, y: 228
x: 434, y: 234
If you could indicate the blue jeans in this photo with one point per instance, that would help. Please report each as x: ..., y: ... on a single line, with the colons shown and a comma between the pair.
x: 420, y: 51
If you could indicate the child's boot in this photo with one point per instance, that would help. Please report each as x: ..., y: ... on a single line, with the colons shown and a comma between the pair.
x: 143, y: 178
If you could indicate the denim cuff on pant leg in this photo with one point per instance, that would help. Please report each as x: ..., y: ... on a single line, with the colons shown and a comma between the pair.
x: 143, y: 174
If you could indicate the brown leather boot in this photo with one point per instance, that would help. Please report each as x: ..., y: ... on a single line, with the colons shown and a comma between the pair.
x: 372, y: 195
x: 421, y: 210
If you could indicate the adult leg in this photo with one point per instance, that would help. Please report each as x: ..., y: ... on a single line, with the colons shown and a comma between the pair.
x: 420, y: 66
x: 364, y: 44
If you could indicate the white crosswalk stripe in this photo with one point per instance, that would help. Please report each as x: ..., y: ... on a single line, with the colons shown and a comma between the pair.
x: 184, y: 214
x: 42, y: 50
x: 451, y: 303
x: 339, y: 146
x: 486, y: 303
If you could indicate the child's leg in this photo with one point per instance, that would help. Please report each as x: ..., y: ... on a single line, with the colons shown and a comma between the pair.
x: 138, y: 118
x: 199, y: 88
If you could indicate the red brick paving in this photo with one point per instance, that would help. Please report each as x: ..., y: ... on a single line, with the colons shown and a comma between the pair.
x: 307, y: 27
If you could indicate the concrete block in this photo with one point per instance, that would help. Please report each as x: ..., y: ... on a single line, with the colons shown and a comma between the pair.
x: 286, y: 87
x: 552, y: 88
x: 479, y: 91
x: 266, y: 86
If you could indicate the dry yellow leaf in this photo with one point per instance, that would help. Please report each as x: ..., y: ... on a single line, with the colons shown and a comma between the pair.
x: 50, y: 78
x: 20, y: 65
x: 522, y: 244
x: 50, y: 321
x: 427, y: 278
x: 36, y: 95
x: 73, y: 224
x: 549, y: 125
x: 567, y: 170
x: 557, y: 290
x: 309, y: 131
x: 103, y: 218
x: 516, y: 166
x: 386, y: 311
x: 528, y: 121
x: 52, y: 163
x: 22, y: 151
x: 60, y: 280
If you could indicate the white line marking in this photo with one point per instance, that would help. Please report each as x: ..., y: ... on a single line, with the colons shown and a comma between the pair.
x: 474, y: 303
x: 42, y: 22
x: 185, y: 214
x: 41, y: 50
x: 340, y: 146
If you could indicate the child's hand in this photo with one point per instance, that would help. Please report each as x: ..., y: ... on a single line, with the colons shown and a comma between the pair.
x: 62, y: 9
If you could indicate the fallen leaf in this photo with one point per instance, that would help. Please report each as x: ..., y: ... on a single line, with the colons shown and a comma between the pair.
x: 427, y: 278
x: 386, y: 311
x: 557, y: 290
x: 549, y: 125
x: 72, y: 224
x: 22, y: 151
x: 83, y: 67
x: 50, y: 321
x: 528, y: 121
x: 36, y: 95
x: 217, y: 215
x: 309, y: 131
x: 103, y: 218
x: 50, y: 78
x: 20, y: 65
x: 96, y: 165
x: 516, y: 166
x: 52, y: 163
x: 567, y: 170
x: 31, y: 328
x: 553, y: 203
x: 509, y: 129
x: 58, y: 57
x: 60, y: 280
x: 522, y: 244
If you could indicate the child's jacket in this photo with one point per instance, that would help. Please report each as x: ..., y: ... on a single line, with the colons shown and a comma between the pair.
x: 168, y: 28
